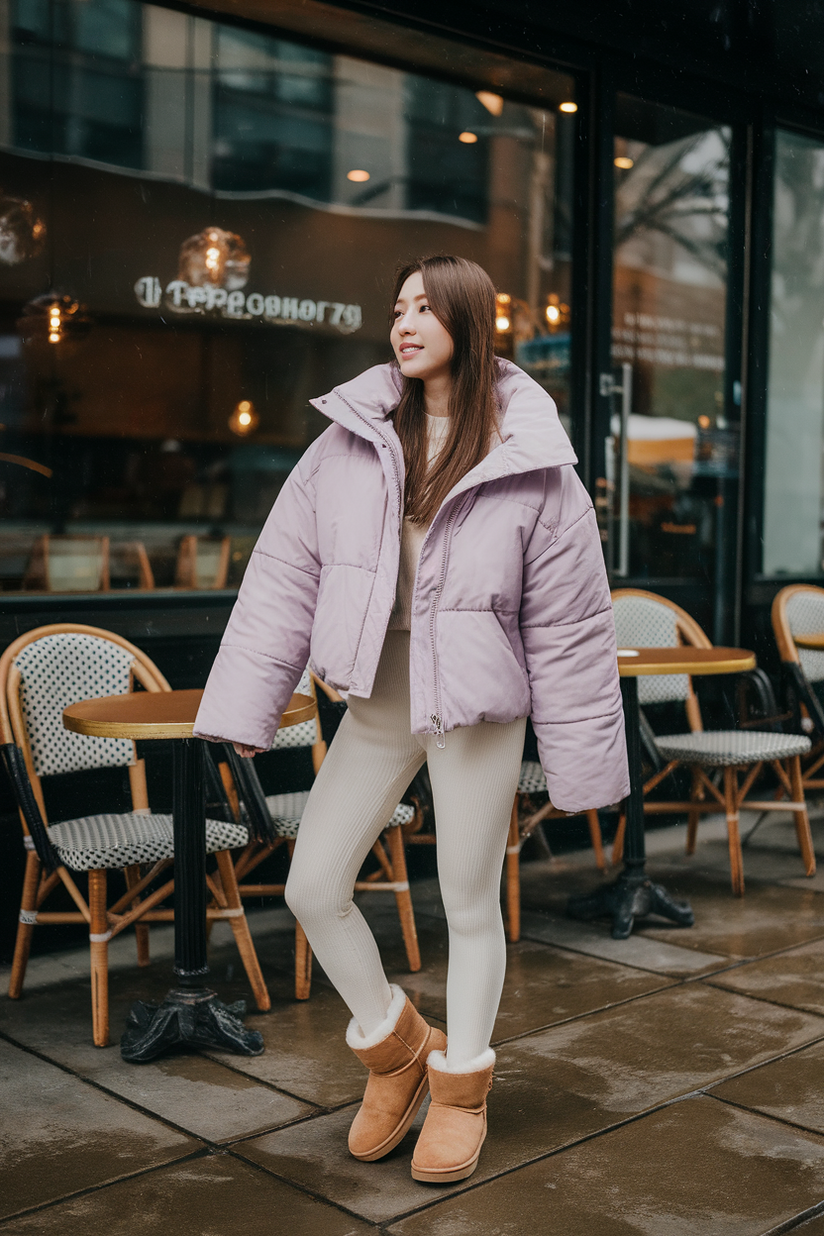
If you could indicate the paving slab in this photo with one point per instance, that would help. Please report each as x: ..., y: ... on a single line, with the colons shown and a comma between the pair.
x: 543, y: 985
x: 789, y: 1089
x: 594, y: 939
x: 767, y: 918
x: 554, y: 1088
x: 191, y: 1091
x: 59, y: 1134
x: 697, y: 1168
x: 306, y: 1054
x: 795, y: 977
x: 209, y: 1196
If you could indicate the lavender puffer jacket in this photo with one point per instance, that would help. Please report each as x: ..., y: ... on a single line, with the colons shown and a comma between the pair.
x: 511, y: 612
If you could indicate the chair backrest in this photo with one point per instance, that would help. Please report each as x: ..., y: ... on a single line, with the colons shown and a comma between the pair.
x: 307, y: 733
x: 203, y: 562
x: 69, y: 564
x: 47, y: 669
x: 799, y: 610
x: 129, y: 560
x: 646, y: 620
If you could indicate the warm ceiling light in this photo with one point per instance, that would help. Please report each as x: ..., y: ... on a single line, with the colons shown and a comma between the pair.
x: 55, y: 317
x: 492, y: 102
x: 467, y: 137
x: 214, y: 257
x: 244, y: 418
x: 358, y: 175
x: 704, y: 422
x: 568, y: 107
x: 624, y: 162
x: 553, y: 313
x: 502, y: 323
x: 503, y: 298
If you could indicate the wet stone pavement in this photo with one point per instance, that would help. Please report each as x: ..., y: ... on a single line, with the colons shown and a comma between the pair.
x: 668, y: 1085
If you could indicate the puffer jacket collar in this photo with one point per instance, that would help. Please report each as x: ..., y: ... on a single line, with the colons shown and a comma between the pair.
x: 532, y: 431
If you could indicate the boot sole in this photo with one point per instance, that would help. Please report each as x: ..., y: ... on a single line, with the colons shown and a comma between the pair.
x: 401, y: 1130
x: 458, y: 1173
x: 449, y: 1176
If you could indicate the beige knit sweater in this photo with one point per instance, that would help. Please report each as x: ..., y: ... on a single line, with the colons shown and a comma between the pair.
x: 412, y: 535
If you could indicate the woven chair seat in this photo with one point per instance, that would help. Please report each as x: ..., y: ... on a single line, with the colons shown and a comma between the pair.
x: 287, y: 811
x: 726, y: 748
x: 93, y: 842
x: 532, y: 779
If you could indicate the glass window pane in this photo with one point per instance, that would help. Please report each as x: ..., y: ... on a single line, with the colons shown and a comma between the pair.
x: 794, y: 482
x: 669, y: 304
x: 304, y: 177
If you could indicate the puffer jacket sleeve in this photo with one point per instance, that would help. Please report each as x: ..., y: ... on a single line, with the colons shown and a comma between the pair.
x: 265, y: 647
x: 569, y: 640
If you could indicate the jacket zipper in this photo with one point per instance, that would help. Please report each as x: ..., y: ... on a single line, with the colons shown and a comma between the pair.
x: 437, y: 717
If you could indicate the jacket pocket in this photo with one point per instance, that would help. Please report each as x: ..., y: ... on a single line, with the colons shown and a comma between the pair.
x: 343, y: 598
x: 481, y: 678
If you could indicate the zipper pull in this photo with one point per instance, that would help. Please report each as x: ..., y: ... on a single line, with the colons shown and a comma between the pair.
x: 438, y: 724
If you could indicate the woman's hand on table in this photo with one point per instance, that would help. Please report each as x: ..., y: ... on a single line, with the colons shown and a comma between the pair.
x: 245, y: 751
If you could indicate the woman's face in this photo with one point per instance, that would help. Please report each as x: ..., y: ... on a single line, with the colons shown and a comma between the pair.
x: 423, y: 346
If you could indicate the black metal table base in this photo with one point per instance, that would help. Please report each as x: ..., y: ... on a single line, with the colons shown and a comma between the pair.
x: 191, y: 1015
x: 633, y: 895
x: 187, y: 1018
x: 628, y: 898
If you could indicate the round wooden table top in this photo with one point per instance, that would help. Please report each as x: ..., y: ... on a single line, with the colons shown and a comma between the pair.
x: 814, y: 641
x: 639, y: 662
x: 156, y: 714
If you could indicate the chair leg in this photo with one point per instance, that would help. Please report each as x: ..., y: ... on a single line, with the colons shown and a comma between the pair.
x: 141, y: 930
x: 693, y: 817
x: 802, y: 819
x: 513, y: 877
x: 241, y: 932
x: 618, y: 843
x: 596, y: 839
x: 406, y: 914
x: 734, y: 837
x: 99, y: 950
x: 28, y: 905
x: 303, y: 964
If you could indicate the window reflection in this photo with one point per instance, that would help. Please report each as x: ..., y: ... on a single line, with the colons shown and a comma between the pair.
x: 678, y: 448
x: 794, y: 473
x: 226, y: 208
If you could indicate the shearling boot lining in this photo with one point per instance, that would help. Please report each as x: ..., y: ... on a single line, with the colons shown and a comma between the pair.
x: 437, y: 1060
x: 358, y: 1041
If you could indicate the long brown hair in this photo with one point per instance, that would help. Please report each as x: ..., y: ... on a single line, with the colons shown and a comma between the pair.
x: 462, y: 297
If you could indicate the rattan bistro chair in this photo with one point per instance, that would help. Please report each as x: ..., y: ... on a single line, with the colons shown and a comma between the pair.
x: 799, y: 610
x: 274, y: 821
x: 521, y: 826
x: 646, y: 620
x: 41, y: 673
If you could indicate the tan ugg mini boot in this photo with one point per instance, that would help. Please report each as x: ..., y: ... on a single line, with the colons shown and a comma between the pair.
x: 395, y: 1054
x: 455, y: 1126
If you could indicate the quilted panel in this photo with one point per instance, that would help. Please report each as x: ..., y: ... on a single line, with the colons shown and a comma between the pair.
x: 532, y: 779
x: 805, y: 614
x: 287, y: 811
x: 119, y: 840
x: 303, y: 735
x: 59, y: 670
x: 642, y: 623
x: 720, y: 748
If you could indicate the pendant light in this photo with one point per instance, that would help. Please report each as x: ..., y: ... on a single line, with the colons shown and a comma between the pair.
x: 214, y: 257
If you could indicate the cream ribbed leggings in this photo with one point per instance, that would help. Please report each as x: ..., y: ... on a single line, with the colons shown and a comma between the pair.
x: 369, y: 766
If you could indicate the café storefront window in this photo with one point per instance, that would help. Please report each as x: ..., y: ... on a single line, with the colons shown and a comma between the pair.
x: 198, y: 228
x: 794, y: 476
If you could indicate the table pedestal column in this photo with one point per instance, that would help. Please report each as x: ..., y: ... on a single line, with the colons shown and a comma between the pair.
x: 632, y: 895
x: 191, y: 1012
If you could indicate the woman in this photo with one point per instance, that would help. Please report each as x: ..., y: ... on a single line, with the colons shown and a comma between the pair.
x: 435, y: 556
